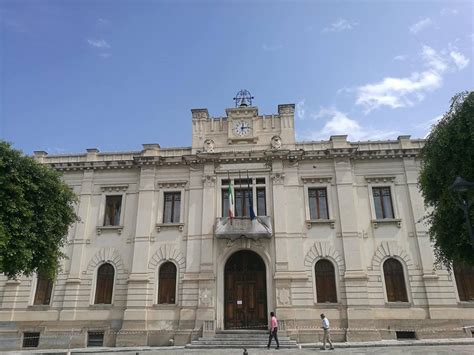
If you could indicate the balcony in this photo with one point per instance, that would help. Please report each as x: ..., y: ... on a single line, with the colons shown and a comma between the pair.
x: 243, y: 227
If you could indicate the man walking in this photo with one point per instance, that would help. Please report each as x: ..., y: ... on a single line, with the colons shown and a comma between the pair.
x: 273, y: 327
x: 326, y: 335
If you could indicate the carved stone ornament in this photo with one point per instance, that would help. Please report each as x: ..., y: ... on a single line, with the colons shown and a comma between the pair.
x: 278, y: 178
x: 209, y: 180
x: 209, y: 146
x: 284, y: 296
x: 276, y: 142
x: 205, y: 297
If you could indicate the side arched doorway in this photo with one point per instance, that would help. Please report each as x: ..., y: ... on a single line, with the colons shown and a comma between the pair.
x: 245, y: 291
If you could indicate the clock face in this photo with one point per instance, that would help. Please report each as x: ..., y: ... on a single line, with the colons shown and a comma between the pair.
x: 241, y: 128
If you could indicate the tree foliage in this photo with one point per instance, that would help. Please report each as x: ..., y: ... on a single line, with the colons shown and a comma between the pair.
x: 449, y: 152
x: 36, y: 210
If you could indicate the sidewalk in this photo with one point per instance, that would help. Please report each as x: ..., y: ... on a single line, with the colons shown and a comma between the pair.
x: 306, y: 346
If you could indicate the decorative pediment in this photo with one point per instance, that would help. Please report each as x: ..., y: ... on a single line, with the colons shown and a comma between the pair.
x: 172, y: 184
x: 388, y: 249
x: 105, y: 255
x: 380, y: 178
x: 324, y: 250
x: 316, y: 179
x: 165, y: 253
x: 114, y: 188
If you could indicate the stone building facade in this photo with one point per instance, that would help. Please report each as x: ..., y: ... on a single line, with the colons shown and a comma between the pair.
x: 338, y: 229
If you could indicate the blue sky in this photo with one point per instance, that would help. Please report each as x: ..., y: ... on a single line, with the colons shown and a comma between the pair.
x: 116, y: 74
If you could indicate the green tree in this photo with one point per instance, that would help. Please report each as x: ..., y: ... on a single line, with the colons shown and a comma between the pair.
x: 36, y: 210
x: 449, y: 152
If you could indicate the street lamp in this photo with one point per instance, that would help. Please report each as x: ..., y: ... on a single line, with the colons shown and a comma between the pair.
x: 461, y: 187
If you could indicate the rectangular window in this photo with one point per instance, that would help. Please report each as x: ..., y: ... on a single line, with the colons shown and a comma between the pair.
x: 318, y: 203
x: 383, y: 202
x: 242, y: 202
x: 95, y: 338
x: 44, y: 287
x: 113, y: 206
x: 172, y: 207
x: 242, y: 190
x: 261, y: 202
x: 31, y: 339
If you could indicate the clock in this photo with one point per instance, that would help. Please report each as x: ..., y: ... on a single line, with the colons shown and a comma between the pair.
x: 241, y: 128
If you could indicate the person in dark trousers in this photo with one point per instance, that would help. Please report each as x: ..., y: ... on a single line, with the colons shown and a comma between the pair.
x: 273, y: 327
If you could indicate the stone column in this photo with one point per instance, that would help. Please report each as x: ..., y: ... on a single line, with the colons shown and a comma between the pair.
x: 138, y: 293
x: 207, y: 282
x: 359, y: 314
x: 190, y: 281
x: 77, y: 245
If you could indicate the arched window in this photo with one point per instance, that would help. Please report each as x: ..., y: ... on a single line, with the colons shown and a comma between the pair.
x: 167, y: 283
x: 325, y: 281
x: 394, y: 281
x: 105, y: 284
x: 464, y: 276
x: 44, y: 288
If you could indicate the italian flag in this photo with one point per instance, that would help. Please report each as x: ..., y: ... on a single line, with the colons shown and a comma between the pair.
x: 231, y: 201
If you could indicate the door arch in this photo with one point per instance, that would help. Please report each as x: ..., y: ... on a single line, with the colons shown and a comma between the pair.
x: 245, y: 291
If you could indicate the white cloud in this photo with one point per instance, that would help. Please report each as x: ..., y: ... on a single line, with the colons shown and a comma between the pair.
x: 421, y: 25
x: 98, y: 43
x: 460, y: 60
x: 446, y: 11
x: 433, y: 60
x: 300, y: 110
x: 398, y: 92
x: 102, y: 21
x: 425, y: 126
x: 270, y: 48
x: 400, y: 58
x: 406, y: 91
x: 339, y: 123
x: 341, y: 25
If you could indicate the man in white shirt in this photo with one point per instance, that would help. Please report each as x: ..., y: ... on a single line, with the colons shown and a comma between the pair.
x: 326, y: 336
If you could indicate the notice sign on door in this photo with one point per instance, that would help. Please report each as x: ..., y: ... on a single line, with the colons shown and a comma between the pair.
x: 239, y: 301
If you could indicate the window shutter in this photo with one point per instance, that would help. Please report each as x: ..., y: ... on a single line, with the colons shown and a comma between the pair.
x: 325, y: 282
x: 464, y: 276
x: 167, y: 284
x: 105, y: 284
x: 394, y: 281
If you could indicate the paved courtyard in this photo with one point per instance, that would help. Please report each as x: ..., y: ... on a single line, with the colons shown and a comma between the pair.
x: 405, y: 350
x: 437, y: 349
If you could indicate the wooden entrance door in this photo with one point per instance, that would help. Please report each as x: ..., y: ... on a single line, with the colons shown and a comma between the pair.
x: 245, y: 292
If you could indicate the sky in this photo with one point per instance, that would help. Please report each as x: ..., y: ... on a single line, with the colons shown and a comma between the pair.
x: 116, y: 74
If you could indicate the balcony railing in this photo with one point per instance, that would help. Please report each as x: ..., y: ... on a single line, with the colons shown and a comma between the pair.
x: 243, y: 227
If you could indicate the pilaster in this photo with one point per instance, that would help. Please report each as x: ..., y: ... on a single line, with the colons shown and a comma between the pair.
x: 138, y: 291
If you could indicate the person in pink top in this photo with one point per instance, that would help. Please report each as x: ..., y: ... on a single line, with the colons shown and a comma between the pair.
x: 273, y: 327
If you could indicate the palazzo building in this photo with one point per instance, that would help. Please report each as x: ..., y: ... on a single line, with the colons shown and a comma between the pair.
x: 337, y: 230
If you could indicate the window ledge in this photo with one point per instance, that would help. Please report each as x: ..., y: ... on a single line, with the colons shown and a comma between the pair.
x: 398, y: 304
x: 117, y: 229
x: 397, y: 221
x: 310, y: 222
x: 328, y: 305
x: 164, y: 305
x: 39, y: 307
x: 466, y: 304
x: 101, y: 306
x: 179, y: 226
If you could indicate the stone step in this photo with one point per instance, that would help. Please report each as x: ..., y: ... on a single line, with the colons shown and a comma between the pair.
x: 238, y: 346
x: 236, y: 336
x: 240, y: 341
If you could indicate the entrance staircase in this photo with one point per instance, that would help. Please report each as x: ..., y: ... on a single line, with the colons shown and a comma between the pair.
x: 239, y: 339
